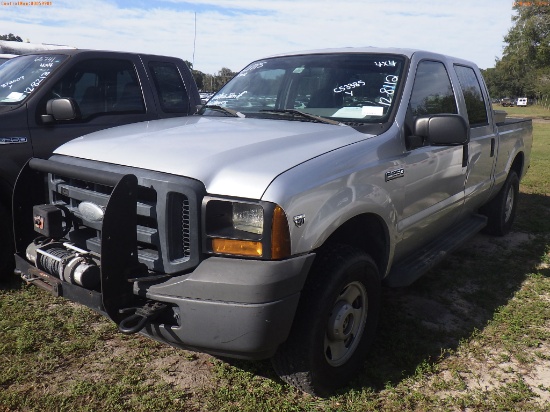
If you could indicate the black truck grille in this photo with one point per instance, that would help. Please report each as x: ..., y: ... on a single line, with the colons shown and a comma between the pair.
x: 168, y: 210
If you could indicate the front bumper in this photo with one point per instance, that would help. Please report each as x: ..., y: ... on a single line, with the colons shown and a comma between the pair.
x: 229, y: 307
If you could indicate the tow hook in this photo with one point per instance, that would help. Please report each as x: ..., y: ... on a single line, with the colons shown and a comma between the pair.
x: 140, y: 316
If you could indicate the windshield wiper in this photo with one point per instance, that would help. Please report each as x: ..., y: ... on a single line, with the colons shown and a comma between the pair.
x: 304, y: 115
x: 231, y: 112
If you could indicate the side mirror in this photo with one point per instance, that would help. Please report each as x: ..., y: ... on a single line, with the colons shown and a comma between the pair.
x: 440, y: 130
x: 59, y: 109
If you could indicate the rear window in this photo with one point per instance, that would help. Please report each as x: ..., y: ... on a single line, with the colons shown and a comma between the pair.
x: 170, y: 87
x: 475, y: 103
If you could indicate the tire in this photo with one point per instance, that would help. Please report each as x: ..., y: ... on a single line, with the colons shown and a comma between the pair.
x: 334, y: 324
x: 501, y: 211
x: 7, y: 262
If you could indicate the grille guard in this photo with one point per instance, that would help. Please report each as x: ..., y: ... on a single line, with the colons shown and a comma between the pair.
x: 119, y: 257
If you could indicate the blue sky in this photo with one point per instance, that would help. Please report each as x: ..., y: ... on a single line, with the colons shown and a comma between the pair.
x: 231, y: 33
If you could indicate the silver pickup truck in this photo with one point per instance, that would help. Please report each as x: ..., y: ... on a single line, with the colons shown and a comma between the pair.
x: 265, y: 226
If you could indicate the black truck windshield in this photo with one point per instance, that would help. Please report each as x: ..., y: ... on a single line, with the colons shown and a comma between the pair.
x: 19, y: 77
x: 346, y: 87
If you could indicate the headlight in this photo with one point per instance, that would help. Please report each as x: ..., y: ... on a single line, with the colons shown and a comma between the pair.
x: 248, y: 229
x: 248, y: 218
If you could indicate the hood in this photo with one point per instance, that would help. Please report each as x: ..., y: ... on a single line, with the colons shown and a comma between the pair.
x: 230, y: 156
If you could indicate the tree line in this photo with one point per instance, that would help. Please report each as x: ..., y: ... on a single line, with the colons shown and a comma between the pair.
x: 10, y: 37
x: 211, y: 82
x: 524, y: 69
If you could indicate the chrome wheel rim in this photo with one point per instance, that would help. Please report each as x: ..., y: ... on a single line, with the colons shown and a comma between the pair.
x: 346, y: 324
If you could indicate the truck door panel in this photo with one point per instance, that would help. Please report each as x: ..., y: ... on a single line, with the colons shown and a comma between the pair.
x: 171, y: 89
x: 434, y: 175
x: 107, y: 93
x: 15, y: 142
x: 481, y: 150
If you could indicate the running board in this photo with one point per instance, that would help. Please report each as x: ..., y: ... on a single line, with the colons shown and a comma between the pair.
x: 412, y: 267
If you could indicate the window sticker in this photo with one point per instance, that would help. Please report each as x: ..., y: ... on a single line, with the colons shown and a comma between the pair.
x: 14, y: 97
x: 298, y: 70
x: 351, y: 112
x: 372, y: 111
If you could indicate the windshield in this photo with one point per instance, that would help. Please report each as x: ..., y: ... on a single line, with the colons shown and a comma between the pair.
x: 347, y: 87
x: 20, y: 76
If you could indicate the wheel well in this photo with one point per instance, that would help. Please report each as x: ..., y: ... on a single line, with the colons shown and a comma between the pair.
x: 517, y: 166
x: 368, y: 233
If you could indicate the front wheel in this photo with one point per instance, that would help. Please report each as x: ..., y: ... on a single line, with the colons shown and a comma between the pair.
x: 335, y: 322
x: 501, y: 211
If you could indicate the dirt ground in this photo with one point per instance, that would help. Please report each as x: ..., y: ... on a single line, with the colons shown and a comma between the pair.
x: 196, y: 372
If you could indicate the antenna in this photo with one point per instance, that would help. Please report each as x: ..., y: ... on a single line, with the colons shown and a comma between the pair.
x: 195, y: 40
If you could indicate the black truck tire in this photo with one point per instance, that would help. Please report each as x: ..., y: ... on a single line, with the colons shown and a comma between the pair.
x: 501, y: 210
x: 334, y: 324
x: 7, y: 262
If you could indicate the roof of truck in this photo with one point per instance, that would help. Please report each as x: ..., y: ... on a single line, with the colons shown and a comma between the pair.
x: 369, y: 49
x: 73, y: 52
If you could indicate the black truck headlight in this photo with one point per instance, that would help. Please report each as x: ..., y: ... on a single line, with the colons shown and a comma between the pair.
x: 247, y: 229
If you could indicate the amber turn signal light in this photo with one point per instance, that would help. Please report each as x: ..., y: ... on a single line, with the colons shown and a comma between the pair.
x: 237, y: 247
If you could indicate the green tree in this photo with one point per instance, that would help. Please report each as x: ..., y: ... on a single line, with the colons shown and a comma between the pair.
x: 10, y: 37
x: 524, y: 69
x: 528, y: 41
x: 197, y: 75
x: 199, y: 78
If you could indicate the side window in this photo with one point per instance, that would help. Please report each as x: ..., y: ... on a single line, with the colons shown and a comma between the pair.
x: 475, y: 104
x: 169, y: 84
x: 432, y: 92
x: 101, y: 86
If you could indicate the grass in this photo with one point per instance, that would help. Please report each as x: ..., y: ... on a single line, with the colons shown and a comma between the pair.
x: 535, y: 112
x: 472, y: 334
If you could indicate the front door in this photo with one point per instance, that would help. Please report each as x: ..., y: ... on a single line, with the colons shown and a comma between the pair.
x: 434, y: 175
x: 107, y: 93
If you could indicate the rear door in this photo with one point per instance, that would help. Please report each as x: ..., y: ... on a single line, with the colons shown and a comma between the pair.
x: 483, y: 139
x: 174, y: 88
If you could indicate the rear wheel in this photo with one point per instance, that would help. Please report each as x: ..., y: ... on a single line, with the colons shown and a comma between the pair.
x: 501, y: 211
x: 335, y: 322
x: 7, y: 263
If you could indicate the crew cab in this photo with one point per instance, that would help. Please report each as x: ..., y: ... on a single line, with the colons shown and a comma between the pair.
x: 264, y: 226
x: 50, y: 97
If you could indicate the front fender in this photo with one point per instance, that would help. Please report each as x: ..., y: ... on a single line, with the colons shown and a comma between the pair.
x: 327, y: 214
x: 319, y: 196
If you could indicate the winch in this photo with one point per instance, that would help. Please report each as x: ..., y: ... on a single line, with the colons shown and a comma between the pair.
x: 65, y: 261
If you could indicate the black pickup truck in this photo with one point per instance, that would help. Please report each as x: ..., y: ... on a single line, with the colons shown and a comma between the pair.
x: 50, y: 97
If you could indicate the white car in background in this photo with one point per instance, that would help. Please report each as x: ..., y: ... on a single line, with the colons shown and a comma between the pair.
x: 522, y: 101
